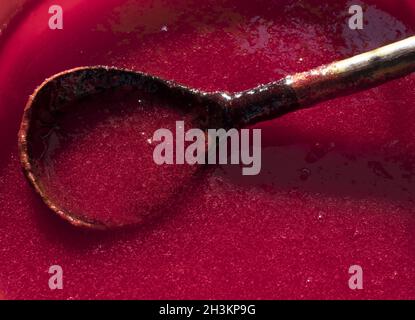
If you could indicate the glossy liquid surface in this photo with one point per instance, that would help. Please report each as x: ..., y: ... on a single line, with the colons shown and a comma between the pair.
x: 337, y: 181
x: 97, y: 160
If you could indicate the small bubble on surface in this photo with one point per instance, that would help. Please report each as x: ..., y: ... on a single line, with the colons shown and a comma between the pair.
x: 304, y: 174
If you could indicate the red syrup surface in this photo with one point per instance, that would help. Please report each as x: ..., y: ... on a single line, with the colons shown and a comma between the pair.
x: 337, y: 181
x: 97, y: 160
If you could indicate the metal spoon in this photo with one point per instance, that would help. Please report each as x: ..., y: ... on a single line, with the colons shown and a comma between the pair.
x: 212, y: 110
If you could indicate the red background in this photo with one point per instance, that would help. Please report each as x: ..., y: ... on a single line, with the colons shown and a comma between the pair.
x: 337, y: 181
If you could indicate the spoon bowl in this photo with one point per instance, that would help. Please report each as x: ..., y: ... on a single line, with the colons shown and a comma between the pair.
x: 69, y: 105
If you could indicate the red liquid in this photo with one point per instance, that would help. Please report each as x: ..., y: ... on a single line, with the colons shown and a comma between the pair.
x: 97, y: 162
x: 337, y: 181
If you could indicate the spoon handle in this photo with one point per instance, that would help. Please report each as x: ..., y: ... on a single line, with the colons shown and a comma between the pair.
x: 328, y: 81
x: 356, y: 73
